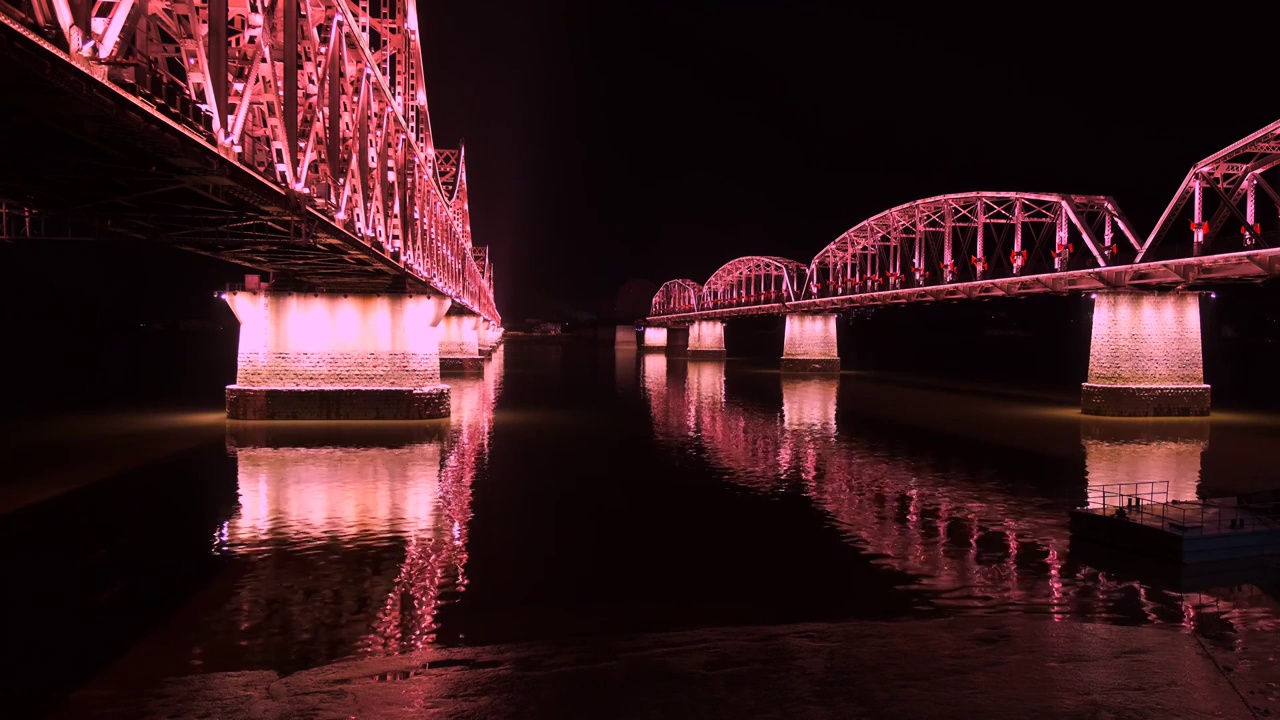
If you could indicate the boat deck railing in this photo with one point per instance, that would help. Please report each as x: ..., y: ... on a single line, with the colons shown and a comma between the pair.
x: 1148, y: 503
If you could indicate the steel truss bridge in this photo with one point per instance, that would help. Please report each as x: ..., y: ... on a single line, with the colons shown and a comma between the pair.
x: 1003, y: 244
x: 289, y: 136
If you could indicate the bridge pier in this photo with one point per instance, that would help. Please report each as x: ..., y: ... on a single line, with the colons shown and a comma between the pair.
x: 810, y: 343
x: 655, y: 339
x: 489, y: 336
x: 460, y: 344
x: 1145, y: 356
x: 320, y: 356
x: 625, y: 336
x: 678, y: 342
x: 706, y: 340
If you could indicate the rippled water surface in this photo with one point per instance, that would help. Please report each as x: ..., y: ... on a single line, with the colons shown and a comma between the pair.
x: 584, y: 491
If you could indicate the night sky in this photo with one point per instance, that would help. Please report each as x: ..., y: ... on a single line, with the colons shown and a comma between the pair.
x: 611, y: 141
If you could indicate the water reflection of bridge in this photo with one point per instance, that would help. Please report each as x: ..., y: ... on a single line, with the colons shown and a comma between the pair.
x: 976, y: 541
x: 325, y: 511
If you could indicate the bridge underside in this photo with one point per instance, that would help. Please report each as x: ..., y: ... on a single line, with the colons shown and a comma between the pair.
x: 90, y: 163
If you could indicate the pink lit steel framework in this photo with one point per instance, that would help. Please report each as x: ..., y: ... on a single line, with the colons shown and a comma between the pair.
x: 753, y: 280
x: 1230, y: 181
x: 992, y: 244
x: 676, y: 296
x: 971, y: 236
x: 323, y: 99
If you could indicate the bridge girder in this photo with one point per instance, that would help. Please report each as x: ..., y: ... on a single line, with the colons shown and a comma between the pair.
x: 323, y: 99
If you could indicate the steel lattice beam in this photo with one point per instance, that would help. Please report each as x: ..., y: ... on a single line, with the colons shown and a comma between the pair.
x: 752, y: 280
x: 323, y: 99
x: 676, y: 296
x: 969, y: 236
x: 1228, y: 179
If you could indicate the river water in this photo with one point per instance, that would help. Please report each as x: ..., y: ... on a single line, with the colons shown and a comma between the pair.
x: 583, y: 493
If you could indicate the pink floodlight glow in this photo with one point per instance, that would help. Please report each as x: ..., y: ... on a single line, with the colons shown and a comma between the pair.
x: 849, y: 478
x: 309, y: 492
x: 1156, y: 453
x: 1145, y: 356
x: 809, y: 403
x: 327, y: 340
x: 460, y: 336
x: 655, y: 337
x: 706, y: 335
x: 810, y: 336
x: 1141, y: 339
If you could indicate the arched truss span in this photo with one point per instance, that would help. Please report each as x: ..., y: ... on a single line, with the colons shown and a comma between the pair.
x: 753, y: 280
x: 676, y: 296
x: 1232, y: 182
x: 971, y: 236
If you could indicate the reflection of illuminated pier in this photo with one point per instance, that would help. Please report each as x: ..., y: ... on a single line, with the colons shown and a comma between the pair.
x: 323, y: 523
x: 376, y: 513
x: 624, y: 366
x: 318, y: 492
x: 901, y: 510
x: 809, y: 403
x: 705, y: 387
x: 971, y: 539
x: 1149, y: 472
x: 1138, y: 451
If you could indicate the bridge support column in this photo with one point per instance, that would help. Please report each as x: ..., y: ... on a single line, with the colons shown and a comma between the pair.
x: 309, y: 356
x: 655, y: 339
x: 678, y: 342
x: 706, y: 340
x: 460, y: 344
x: 810, y: 343
x: 1145, y: 357
x: 488, y: 338
x: 625, y: 336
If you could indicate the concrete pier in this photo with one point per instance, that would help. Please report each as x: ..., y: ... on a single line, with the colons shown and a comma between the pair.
x: 1145, y: 356
x: 678, y: 342
x: 625, y: 336
x: 489, y: 336
x: 810, y: 343
x: 321, y: 356
x: 706, y: 340
x: 460, y: 345
x: 655, y: 340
